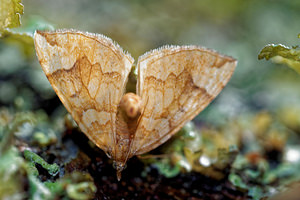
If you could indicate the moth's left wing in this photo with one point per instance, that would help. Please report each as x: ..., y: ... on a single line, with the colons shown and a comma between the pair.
x: 175, y: 84
x: 89, y: 73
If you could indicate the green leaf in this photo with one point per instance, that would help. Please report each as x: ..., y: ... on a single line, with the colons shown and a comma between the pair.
x: 10, y: 13
x: 282, y: 55
x: 23, y: 40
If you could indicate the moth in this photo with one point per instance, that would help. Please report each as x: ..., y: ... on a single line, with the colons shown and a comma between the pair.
x: 89, y: 73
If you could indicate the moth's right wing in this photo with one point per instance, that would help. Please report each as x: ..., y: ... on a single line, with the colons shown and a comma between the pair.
x: 175, y: 83
x: 89, y: 73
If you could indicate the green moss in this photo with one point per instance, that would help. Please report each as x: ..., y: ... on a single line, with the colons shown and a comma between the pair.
x: 52, y: 169
x: 77, y: 185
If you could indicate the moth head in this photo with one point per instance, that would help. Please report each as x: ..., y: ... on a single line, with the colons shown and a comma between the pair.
x: 119, y: 166
x: 131, y: 104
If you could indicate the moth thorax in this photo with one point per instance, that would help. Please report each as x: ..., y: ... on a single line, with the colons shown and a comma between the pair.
x: 131, y: 104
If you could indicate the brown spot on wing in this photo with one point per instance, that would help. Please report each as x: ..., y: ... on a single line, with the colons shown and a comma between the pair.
x: 51, y: 39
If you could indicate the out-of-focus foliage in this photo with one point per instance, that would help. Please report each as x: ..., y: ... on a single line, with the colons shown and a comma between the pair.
x: 23, y: 40
x: 291, y: 194
x: 76, y: 185
x: 12, y: 175
x: 10, y: 17
x: 15, y: 171
x: 282, y: 55
x: 209, y: 153
x: 247, y: 139
x: 10, y: 14
x: 267, y: 162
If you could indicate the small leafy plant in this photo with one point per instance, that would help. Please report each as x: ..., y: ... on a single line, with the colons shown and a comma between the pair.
x: 282, y: 54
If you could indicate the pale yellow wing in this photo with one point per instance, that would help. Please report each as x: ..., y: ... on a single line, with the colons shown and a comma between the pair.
x: 175, y: 84
x: 89, y: 73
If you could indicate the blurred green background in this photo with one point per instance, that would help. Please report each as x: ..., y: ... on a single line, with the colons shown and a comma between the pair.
x: 239, y: 28
x: 258, y: 111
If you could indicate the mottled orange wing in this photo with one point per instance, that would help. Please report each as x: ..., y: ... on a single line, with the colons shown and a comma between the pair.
x: 89, y: 73
x: 175, y: 84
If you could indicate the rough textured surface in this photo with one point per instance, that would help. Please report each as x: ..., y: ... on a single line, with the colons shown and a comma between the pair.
x: 89, y: 74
